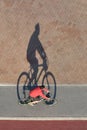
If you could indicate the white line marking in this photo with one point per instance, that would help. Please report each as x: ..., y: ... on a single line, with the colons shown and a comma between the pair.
x: 4, y: 85
x: 60, y: 85
x: 45, y: 118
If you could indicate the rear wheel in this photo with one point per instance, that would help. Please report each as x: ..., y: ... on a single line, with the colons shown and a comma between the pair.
x: 50, y: 83
x: 23, y: 87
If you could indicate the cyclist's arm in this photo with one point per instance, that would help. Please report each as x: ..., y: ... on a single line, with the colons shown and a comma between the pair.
x: 43, y: 96
x: 45, y: 89
x: 41, y: 51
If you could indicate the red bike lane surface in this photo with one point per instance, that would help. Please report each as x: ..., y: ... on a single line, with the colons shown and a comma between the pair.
x: 43, y: 125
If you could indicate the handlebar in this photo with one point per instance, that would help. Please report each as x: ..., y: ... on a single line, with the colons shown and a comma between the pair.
x: 44, y: 64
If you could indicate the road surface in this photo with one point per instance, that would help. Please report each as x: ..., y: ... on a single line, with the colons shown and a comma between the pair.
x: 72, y: 102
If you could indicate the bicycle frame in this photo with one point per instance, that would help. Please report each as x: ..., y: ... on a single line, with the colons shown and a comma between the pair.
x: 40, y: 73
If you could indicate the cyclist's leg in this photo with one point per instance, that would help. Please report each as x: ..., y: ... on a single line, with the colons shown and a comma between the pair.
x: 34, y: 65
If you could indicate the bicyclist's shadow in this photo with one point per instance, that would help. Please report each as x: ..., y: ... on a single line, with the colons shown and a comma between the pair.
x: 29, y: 80
x: 34, y: 46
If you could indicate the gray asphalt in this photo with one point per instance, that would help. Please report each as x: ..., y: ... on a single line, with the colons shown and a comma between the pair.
x: 72, y: 102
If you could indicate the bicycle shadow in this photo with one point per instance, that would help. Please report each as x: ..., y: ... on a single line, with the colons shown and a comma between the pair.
x: 34, y: 46
x: 25, y: 79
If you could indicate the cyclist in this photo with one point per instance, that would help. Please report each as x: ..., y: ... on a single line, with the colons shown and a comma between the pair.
x: 39, y: 92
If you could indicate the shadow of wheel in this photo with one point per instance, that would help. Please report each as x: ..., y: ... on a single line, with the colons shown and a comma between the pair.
x: 50, y: 83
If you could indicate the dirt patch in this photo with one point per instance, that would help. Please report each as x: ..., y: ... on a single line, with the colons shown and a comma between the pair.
x: 63, y: 34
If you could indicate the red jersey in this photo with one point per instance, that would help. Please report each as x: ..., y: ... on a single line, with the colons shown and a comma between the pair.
x: 38, y: 92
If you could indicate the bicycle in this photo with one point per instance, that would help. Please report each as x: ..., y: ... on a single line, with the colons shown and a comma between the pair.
x: 24, y: 85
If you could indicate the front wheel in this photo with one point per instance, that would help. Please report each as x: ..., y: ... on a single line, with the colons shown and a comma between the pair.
x: 50, y: 83
x: 22, y: 86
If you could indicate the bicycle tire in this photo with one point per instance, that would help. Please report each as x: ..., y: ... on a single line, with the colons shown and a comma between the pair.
x: 50, y: 83
x: 23, y: 87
